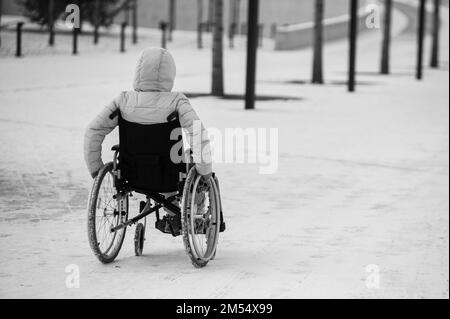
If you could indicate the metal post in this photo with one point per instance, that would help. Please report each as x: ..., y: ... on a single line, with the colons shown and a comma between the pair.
x: 420, y: 36
x: 97, y: 20
x: 353, y: 32
x: 200, y: 36
x: 252, y: 44
x: 122, y: 36
x: 434, y: 62
x: 19, y: 39
x: 273, y: 30
x: 385, y: 50
x: 51, y: 23
x: 231, y: 35
x: 163, y: 27
x: 172, y: 5
x: 75, y: 41
x: 135, y: 21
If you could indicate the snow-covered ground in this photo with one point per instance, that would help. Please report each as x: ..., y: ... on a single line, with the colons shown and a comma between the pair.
x: 362, y: 183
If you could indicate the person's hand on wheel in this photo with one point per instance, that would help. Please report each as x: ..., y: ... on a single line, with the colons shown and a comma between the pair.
x: 94, y: 174
x: 204, y: 183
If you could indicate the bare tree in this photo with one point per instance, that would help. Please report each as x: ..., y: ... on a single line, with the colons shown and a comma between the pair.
x: 386, y: 37
x: 317, y: 74
x: 217, y: 50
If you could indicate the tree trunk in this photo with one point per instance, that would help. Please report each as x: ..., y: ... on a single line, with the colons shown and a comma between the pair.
x: 317, y: 76
x: 385, y: 51
x: 217, y: 50
x: 51, y: 23
x: 1, y: 4
x: 434, y: 63
x: 252, y: 49
x: 96, y: 19
x: 420, y: 38
x: 135, y: 21
x: 199, y: 23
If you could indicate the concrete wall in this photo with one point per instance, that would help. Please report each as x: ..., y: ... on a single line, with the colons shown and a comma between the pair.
x: 299, y: 36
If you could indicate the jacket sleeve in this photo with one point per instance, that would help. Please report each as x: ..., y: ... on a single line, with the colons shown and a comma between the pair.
x: 197, y: 136
x: 95, y: 133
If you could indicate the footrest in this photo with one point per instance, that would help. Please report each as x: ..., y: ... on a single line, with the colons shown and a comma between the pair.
x: 169, y: 225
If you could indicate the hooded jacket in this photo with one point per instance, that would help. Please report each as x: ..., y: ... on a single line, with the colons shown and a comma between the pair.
x: 151, y: 102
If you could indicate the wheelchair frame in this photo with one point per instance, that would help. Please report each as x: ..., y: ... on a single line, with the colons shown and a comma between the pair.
x: 180, y: 221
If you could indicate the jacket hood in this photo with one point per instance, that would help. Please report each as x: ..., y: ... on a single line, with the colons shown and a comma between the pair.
x: 155, y: 71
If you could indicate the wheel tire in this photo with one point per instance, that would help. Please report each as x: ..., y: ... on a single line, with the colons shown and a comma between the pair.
x: 185, y: 221
x: 139, y: 238
x: 91, y: 225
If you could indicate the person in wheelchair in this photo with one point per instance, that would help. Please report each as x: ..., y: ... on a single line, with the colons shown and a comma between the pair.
x: 150, y: 104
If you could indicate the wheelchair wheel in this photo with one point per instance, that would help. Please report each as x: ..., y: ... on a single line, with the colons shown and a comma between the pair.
x: 105, y: 212
x: 139, y: 238
x: 200, y: 218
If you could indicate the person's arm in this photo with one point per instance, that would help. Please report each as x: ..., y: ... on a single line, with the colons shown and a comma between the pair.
x: 95, y: 133
x: 197, y: 136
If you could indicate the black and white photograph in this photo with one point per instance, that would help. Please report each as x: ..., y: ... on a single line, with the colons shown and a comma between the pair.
x: 224, y: 150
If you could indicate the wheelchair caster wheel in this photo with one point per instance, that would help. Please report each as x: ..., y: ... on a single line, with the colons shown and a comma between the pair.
x: 139, y: 238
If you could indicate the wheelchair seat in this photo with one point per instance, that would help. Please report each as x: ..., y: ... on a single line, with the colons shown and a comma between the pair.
x: 145, y: 156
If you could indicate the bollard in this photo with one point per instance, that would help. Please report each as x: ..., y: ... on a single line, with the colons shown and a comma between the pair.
x: 353, y: 32
x: 19, y: 39
x: 75, y: 41
x: 231, y: 34
x: 273, y: 30
x: 200, y: 36
x: 122, y: 36
x: 260, y: 35
x: 163, y: 27
x: 420, y: 35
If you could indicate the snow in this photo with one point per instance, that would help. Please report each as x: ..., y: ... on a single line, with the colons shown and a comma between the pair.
x: 363, y: 178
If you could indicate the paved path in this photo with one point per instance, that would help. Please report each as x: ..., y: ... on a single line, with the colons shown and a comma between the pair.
x: 362, y: 180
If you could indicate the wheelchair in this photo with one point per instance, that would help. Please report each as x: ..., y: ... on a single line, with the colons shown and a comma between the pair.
x: 143, y: 163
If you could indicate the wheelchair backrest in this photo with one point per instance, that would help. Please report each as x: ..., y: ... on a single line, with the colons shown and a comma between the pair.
x: 145, y: 159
